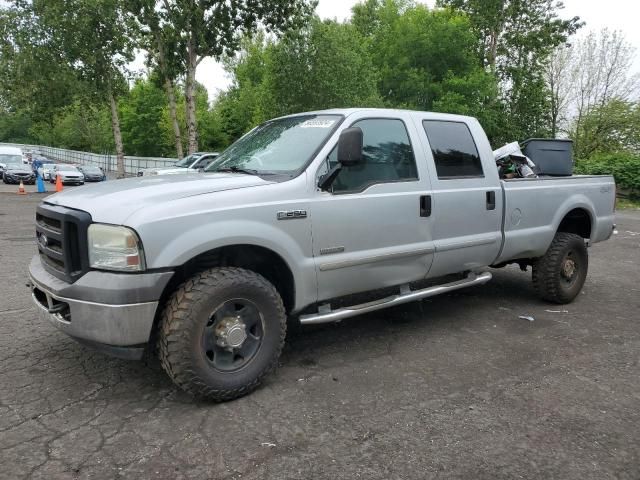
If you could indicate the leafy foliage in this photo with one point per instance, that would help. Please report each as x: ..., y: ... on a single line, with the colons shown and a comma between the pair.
x: 624, y: 166
x: 514, y: 40
x: 140, y: 113
x: 64, y: 78
x: 612, y: 127
x: 331, y: 66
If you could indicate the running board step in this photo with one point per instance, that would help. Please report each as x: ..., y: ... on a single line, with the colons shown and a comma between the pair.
x: 405, y: 296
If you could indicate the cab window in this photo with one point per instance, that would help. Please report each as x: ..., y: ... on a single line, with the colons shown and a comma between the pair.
x: 388, y: 157
x: 454, y: 150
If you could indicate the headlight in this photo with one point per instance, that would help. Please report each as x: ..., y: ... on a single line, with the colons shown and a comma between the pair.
x: 112, y: 247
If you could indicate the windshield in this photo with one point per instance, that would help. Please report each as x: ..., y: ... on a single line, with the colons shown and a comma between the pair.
x: 48, y: 165
x: 9, y: 158
x: 188, y: 160
x: 66, y: 168
x: 280, y: 146
x: 91, y: 170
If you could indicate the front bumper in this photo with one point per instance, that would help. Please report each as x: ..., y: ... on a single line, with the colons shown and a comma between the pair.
x: 109, y: 311
x: 72, y: 181
x: 18, y: 178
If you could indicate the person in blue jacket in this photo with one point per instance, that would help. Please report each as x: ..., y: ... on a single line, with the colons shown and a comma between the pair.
x: 36, y: 164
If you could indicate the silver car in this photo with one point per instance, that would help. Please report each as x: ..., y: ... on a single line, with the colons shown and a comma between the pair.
x: 69, y: 174
x: 189, y: 164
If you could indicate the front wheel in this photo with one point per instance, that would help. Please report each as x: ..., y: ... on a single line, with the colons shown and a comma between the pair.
x: 558, y: 276
x: 221, y: 332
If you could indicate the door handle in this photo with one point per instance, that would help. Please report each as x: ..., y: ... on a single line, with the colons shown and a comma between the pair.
x: 425, y: 205
x: 491, y: 200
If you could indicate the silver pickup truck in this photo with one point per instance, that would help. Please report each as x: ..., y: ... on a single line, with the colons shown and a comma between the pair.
x: 302, y: 217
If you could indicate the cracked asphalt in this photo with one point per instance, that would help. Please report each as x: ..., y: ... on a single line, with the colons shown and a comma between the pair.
x: 456, y: 386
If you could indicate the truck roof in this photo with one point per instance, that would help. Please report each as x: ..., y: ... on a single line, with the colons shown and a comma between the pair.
x: 10, y: 150
x: 350, y: 111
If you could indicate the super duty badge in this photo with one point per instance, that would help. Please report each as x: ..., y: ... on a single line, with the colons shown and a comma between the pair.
x: 291, y: 214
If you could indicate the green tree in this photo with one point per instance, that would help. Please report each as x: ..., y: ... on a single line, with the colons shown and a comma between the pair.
x: 602, y: 88
x: 34, y: 84
x: 15, y: 126
x: 213, y: 28
x: 161, y: 42
x: 331, y: 65
x: 427, y: 60
x: 612, y: 127
x: 514, y: 40
x: 82, y: 125
x: 141, y: 116
x: 94, y: 38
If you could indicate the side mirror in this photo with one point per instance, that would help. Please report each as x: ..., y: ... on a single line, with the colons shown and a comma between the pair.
x: 349, y: 154
x: 350, y: 147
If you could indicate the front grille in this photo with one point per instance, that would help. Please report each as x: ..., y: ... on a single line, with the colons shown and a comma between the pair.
x: 62, y: 240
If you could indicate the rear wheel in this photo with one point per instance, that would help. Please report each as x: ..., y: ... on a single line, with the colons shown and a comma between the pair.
x: 558, y: 276
x: 221, y: 332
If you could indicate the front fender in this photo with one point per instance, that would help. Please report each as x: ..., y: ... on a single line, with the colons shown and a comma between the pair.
x: 294, y: 250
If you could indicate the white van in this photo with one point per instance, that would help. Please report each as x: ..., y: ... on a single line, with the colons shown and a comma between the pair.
x: 9, y: 155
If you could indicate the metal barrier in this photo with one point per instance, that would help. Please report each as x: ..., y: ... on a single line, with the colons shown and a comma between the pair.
x: 107, y: 162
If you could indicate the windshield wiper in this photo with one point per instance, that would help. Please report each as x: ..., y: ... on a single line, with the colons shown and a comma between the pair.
x: 234, y: 169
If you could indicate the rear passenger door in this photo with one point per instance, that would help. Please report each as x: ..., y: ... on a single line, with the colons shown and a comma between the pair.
x: 368, y: 231
x: 467, y: 200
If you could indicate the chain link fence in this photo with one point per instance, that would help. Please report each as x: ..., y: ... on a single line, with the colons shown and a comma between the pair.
x: 132, y: 165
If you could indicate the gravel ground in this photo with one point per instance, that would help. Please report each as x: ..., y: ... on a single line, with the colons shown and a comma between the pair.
x: 453, y: 387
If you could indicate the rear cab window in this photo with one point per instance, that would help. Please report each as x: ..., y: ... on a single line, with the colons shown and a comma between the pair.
x: 454, y: 151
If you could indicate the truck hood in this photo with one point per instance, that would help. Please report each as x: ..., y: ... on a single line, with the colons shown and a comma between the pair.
x: 114, y: 201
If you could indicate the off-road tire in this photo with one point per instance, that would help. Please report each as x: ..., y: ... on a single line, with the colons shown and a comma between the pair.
x: 181, y: 328
x: 548, y: 280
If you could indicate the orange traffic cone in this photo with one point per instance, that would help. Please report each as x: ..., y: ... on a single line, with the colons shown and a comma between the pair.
x: 21, y: 190
x: 58, y: 183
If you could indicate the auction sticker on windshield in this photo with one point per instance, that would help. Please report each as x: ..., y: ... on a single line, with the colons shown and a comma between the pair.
x: 317, y: 123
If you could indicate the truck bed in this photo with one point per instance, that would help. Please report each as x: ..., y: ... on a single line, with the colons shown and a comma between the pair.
x: 535, y: 207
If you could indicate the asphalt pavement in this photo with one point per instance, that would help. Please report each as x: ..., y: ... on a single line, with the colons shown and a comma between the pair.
x: 457, y: 386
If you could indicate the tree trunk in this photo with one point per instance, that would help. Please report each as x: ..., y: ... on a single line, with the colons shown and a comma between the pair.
x: 190, y: 97
x: 171, y: 96
x: 493, y: 51
x: 174, y: 116
x: 117, y: 136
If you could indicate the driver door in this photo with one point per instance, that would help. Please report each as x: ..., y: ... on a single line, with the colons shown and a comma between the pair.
x: 368, y: 232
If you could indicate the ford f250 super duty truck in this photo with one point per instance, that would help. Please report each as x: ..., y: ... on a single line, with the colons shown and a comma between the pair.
x: 299, y: 218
